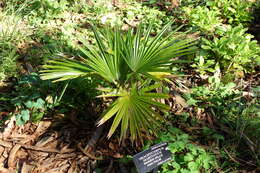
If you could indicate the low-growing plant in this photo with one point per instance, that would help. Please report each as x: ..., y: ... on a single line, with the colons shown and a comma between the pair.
x: 29, y: 101
x: 130, y: 15
x: 217, y: 96
x: 237, y: 117
x: 205, y: 19
x: 147, y: 16
x: 7, y: 62
x: 127, y: 63
x: 235, y: 11
x: 234, y: 52
x: 12, y: 32
x: 30, y: 110
x: 44, y: 9
x: 186, y: 156
x: 33, y: 98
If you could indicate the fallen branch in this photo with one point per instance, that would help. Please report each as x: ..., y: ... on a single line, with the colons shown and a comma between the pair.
x: 229, y: 155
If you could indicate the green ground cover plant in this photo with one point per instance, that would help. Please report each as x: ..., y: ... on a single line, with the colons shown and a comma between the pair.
x: 235, y: 115
x: 30, y: 99
x: 236, y: 12
x: 187, y: 157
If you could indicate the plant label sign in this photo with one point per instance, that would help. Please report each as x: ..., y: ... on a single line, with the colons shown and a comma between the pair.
x: 147, y: 160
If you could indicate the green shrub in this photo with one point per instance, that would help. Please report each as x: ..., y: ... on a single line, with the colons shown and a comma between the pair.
x: 127, y: 63
x: 234, y: 52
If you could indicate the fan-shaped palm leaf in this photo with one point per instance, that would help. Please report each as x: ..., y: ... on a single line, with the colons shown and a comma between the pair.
x: 118, y: 55
x: 133, y: 109
x: 124, y: 58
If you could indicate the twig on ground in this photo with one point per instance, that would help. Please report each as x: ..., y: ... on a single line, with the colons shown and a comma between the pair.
x: 88, y: 154
x: 5, y: 144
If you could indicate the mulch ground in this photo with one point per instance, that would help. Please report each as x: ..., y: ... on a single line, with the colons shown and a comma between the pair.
x: 56, y: 147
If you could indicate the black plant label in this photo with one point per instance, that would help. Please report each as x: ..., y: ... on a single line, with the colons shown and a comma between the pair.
x: 150, y: 159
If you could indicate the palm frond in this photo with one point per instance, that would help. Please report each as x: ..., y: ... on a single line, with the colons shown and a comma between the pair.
x: 152, y: 55
x: 133, y: 110
x: 106, y: 60
x: 64, y: 69
x: 122, y: 59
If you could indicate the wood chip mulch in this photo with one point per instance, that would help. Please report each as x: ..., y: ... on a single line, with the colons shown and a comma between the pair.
x: 40, y: 148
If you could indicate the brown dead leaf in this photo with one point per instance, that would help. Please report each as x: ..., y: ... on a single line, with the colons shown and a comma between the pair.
x: 26, y: 168
x: 179, y: 100
x: 9, y: 128
x: 175, y: 3
x: 6, y: 144
x: 44, y: 141
x: 4, y: 170
x: 12, y: 156
x: 42, y: 127
x: 59, y: 169
x: 73, y: 167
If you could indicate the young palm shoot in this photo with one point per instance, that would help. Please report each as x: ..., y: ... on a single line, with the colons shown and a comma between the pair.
x: 126, y: 60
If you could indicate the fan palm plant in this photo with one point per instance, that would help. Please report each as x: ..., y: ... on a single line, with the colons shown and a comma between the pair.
x: 127, y: 61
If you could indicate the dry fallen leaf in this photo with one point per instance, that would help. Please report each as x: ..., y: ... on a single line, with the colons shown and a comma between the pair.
x: 12, y: 156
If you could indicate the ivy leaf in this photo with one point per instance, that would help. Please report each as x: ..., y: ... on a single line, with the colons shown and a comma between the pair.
x: 23, y: 117
x: 40, y: 103
x: 29, y: 104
